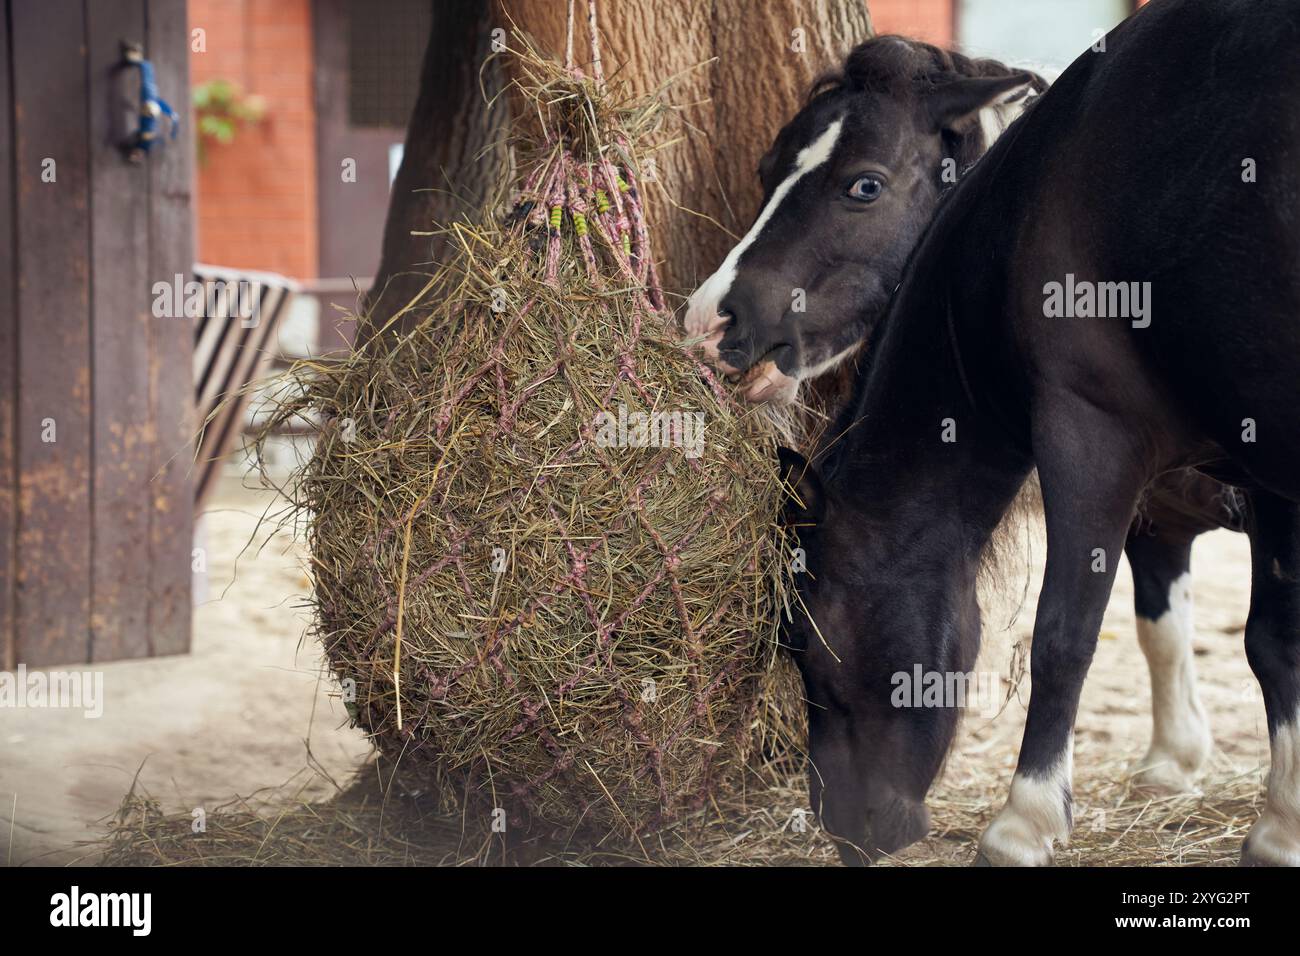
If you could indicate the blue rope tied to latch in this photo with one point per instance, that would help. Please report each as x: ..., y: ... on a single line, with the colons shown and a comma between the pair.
x: 152, y: 106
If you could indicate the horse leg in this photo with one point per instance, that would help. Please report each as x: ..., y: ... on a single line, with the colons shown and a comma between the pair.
x: 1090, y: 480
x: 1273, y: 650
x: 1162, y: 598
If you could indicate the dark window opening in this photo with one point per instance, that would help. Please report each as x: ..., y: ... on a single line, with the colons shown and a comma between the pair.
x: 386, y: 41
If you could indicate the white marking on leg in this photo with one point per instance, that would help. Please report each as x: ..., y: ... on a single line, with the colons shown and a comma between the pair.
x: 1180, y: 735
x: 702, y: 309
x: 1275, y: 839
x: 1036, y: 815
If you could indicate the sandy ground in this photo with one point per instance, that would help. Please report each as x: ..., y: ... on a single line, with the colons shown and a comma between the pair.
x: 229, y: 718
x: 239, y: 712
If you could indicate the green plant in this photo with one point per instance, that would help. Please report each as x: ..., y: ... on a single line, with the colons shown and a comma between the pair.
x: 221, y: 108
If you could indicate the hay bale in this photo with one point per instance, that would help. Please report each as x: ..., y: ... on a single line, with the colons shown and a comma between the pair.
x: 541, y: 536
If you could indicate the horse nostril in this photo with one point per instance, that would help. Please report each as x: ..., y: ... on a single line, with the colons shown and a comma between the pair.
x: 727, y: 313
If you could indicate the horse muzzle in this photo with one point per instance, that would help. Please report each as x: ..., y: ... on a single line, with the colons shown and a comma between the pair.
x: 765, y: 382
x: 891, y: 827
x: 714, y: 329
x: 708, y: 323
x: 759, y: 380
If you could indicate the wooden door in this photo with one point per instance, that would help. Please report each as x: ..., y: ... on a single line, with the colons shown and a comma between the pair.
x: 95, y: 390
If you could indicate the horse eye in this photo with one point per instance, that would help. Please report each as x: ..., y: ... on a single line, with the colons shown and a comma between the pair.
x: 866, y: 189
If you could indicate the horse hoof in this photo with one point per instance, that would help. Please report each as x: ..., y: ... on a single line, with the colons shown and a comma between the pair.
x: 1250, y: 857
x: 1017, y: 839
x: 1267, y: 847
x: 1164, y: 774
x: 1165, y: 780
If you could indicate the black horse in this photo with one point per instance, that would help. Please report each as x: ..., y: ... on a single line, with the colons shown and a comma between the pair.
x: 901, y: 123
x: 918, y: 117
x: 1112, y: 295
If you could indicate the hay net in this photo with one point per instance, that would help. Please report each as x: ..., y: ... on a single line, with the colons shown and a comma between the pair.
x: 542, y: 548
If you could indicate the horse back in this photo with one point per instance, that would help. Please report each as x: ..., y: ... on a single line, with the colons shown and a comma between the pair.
x: 1169, y: 163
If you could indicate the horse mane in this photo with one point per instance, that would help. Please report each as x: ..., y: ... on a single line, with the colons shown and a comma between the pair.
x: 898, y: 64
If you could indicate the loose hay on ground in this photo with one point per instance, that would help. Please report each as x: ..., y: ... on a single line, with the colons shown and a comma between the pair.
x: 757, y: 824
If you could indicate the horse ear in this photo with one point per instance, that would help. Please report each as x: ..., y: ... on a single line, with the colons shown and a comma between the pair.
x: 956, y: 106
x: 806, y: 498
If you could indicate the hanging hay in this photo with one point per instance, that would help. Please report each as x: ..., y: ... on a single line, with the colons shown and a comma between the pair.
x: 542, y: 543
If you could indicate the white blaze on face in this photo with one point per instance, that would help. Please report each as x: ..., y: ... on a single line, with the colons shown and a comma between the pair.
x: 702, y: 310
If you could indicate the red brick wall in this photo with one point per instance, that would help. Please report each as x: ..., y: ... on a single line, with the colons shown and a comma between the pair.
x: 257, y: 196
x: 929, y: 20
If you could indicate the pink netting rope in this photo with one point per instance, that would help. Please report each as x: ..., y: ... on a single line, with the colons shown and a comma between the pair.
x: 601, y: 200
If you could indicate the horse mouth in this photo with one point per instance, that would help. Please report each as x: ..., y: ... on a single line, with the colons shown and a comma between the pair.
x: 764, y: 382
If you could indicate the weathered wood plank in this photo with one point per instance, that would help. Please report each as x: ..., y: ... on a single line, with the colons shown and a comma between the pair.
x: 171, y: 251
x: 8, y: 368
x: 53, y: 239
x: 124, y: 437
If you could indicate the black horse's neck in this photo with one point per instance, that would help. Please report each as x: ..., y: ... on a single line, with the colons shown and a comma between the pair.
x: 930, y: 418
